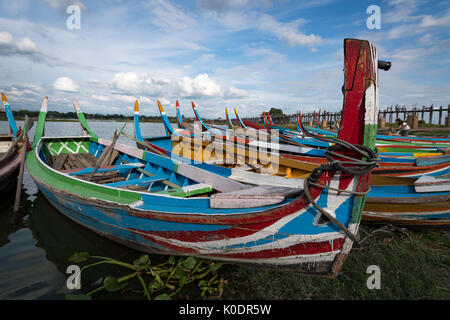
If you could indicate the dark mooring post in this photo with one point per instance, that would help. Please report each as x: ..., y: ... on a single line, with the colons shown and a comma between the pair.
x: 431, y: 114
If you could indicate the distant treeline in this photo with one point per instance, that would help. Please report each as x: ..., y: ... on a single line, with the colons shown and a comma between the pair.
x: 67, y: 116
x: 20, y: 114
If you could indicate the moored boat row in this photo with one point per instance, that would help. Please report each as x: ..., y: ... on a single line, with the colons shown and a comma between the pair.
x: 272, y: 197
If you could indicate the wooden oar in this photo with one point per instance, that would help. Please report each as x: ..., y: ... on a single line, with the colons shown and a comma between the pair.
x: 27, y: 125
x: 106, y: 152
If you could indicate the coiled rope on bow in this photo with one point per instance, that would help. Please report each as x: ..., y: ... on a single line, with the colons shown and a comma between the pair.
x: 350, y: 165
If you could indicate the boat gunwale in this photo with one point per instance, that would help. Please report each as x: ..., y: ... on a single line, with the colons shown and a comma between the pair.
x: 265, y: 210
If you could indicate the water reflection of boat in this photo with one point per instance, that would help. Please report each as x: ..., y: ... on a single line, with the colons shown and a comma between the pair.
x: 60, y: 237
x: 10, y: 145
x: 35, y: 252
x: 25, y: 273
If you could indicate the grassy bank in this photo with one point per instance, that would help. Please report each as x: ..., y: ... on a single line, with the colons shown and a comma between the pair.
x: 414, y: 265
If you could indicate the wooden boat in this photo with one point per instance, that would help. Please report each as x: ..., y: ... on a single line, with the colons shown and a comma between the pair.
x: 390, y: 139
x: 401, y: 153
x: 157, y: 204
x: 10, y: 145
x: 413, y: 203
x: 228, y: 120
x: 440, y: 156
x: 393, y: 197
x: 390, y: 171
x: 386, y: 148
x: 407, y: 207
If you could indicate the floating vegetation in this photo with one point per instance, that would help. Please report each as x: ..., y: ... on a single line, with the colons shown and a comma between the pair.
x: 158, y: 282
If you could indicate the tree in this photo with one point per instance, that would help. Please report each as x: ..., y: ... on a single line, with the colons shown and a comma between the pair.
x: 276, y: 112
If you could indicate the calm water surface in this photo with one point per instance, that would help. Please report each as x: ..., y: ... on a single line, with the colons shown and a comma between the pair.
x: 34, y: 252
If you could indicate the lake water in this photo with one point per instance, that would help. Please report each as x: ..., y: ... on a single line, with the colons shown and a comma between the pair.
x: 34, y: 253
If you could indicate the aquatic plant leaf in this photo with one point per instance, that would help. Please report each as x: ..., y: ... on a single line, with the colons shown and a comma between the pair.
x: 171, y: 260
x: 78, y: 257
x: 163, y: 296
x: 182, y: 282
x: 111, y: 284
x: 154, y: 286
x: 190, y: 263
x: 179, y: 273
x: 215, y: 266
x: 141, y: 262
x: 78, y: 297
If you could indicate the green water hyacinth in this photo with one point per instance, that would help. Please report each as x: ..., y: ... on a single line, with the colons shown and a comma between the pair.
x: 159, y: 282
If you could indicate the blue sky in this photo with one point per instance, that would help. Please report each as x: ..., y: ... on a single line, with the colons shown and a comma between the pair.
x: 248, y: 54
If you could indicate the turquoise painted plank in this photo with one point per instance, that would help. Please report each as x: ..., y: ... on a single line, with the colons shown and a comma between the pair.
x: 138, y: 182
x: 114, y: 168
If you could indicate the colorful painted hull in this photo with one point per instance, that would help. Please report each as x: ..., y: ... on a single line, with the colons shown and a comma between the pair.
x: 403, y: 206
x: 9, y: 165
x: 381, y: 207
x: 9, y: 152
x: 429, y: 209
x: 384, y: 139
x: 282, y: 236
x: 305, y: 231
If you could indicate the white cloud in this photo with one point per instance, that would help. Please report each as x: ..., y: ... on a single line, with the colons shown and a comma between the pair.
x: 101, y: 98
x: 128, y: 82
x: 131, y: 82
x: 24, y: 47
x: 223, y: 6
x: 93, y: 81
x: 168, y: 17
x: 65, y: 84
x: 6, y: 38
x: 401, y: 12
x: 124, y: 98
x: 129, y: 99
x: 431, y: 21
x: 127, y: 85
x: 288, y: 32
x: 62, y: 5
x: 24, y: 91
x: 201, y: 85
x: 235, y: 93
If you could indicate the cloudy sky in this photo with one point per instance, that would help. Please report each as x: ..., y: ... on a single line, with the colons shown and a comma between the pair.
x: 249, y: 54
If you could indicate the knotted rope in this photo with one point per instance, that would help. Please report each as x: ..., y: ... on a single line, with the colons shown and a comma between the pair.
x: 351, y: 166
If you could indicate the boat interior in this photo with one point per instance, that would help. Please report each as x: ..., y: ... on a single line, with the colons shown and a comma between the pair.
x: 82, y: 159
x: 6, y: 141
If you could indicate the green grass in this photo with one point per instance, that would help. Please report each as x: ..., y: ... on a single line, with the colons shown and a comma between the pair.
x: 443, y: 133
x: 413, y: 266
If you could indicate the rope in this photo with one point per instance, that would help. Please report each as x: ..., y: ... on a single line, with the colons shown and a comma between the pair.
x: 353, y: 166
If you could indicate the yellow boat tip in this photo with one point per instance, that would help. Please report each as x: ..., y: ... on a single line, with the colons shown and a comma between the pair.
x: 4, y: 98
x: 161, y: 109
x: 136, y: 106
